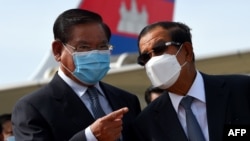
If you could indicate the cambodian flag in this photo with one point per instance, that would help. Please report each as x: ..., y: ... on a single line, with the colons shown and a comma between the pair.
x: 126, y: 18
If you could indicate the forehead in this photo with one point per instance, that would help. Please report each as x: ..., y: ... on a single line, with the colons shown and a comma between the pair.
x: 155, y: 35
x: 88, y: 33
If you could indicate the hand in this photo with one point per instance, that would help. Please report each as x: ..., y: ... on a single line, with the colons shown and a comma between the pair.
x: 109, y: 127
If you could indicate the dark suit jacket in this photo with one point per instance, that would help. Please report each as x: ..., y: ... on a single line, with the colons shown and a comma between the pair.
x: 56, y: 113
x: 227, y: 102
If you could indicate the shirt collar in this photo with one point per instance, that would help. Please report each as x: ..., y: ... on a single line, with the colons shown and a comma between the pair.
x: 80, y: 90
x: 197, y: 91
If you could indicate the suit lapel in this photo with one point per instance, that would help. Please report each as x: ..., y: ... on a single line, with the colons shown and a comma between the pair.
x: 166, y: 119
x: 73, y: 107
x: 216, y: 103
x: 77, y: 111
x: 113, y: 97
x: 119, y: 99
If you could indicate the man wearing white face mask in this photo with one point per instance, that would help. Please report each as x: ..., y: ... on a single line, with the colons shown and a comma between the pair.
x: 76, y: 105
x: 197, y: 106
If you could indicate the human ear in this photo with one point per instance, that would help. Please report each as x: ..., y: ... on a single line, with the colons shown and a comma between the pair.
x: 57, y: 48
x: 189, y: 51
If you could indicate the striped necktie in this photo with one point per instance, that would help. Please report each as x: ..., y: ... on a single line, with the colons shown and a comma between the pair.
x: 95, y: 103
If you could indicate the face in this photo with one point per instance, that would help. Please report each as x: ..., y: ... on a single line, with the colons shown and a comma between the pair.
x: 90, y: 35
x: 7, y: 129
x: 155, y: 38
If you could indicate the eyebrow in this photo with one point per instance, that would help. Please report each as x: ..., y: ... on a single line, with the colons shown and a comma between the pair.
x: 88, y: 43
x: 160, y: 42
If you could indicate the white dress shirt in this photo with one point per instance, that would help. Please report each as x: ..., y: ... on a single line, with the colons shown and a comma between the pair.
x: 81, y: 92
x: 198, y: 106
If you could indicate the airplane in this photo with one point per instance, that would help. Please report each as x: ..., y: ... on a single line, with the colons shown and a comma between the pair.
x: 126, y: 18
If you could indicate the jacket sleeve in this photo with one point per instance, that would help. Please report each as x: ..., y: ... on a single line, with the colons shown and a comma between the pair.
x: 28, y: 124
x: 80, y: 136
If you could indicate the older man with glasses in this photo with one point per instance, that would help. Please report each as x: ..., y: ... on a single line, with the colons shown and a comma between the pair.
x: 76, y: 105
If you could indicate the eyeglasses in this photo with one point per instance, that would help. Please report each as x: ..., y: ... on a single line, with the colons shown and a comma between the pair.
x: 84, y: 48
x: 159, y: 49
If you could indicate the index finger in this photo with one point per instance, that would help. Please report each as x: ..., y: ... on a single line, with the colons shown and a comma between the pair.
x: 116, y: 114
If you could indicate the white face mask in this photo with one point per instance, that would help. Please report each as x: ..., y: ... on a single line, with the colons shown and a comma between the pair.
x: 163, y: 70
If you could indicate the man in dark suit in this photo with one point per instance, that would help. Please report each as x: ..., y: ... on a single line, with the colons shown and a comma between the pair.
x: 63, y: 109
x: 217, y: 101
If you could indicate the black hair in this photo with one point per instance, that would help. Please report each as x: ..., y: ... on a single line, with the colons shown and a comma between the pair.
x: 178, y: 32
x: 68, y: 19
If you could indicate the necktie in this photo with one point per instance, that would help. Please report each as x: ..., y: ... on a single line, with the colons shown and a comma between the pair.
x: 95, y: 104
x: 193, y: 128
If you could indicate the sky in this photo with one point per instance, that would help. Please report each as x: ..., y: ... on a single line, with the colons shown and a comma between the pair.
x: 218, y: 28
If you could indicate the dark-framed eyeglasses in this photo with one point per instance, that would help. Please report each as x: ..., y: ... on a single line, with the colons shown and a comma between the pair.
x: 159, y: 49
